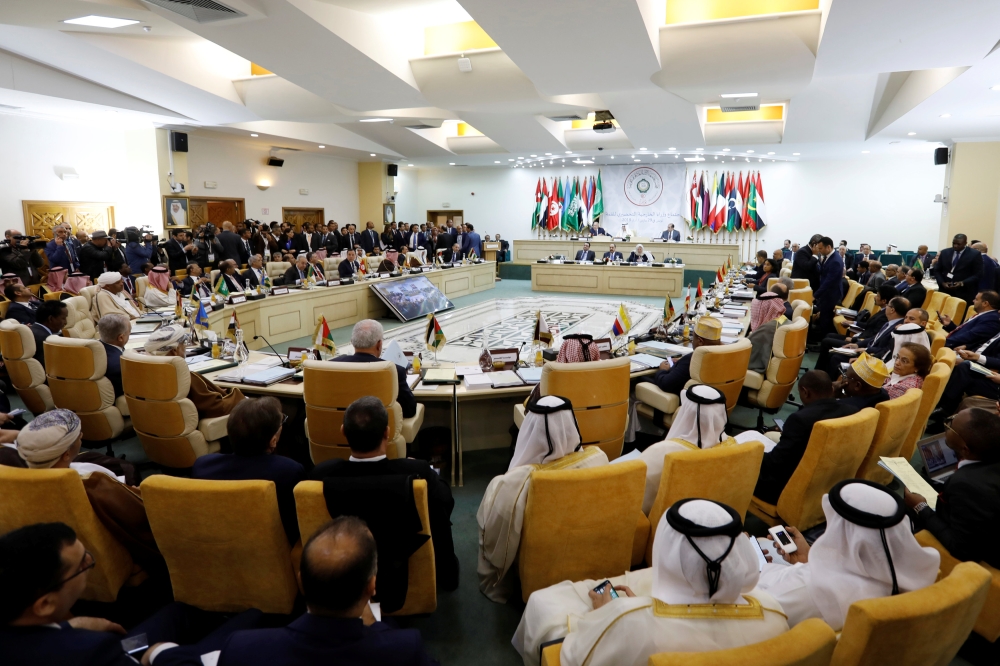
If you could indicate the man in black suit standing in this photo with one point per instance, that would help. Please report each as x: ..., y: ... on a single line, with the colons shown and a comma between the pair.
x: 350, y: 238
x: 829, y: 293
x: 331, y: 241
x: 231, y: 243
x: 370, y: 241
x: 959, y: 269
x: 366, y: 427
x: 818, y: 404
x: 366, y: 338
x: 586, y: 254
x: 968, y: 507
x: 445, y: 239
x: 805, y: 266
x: 246, y: 246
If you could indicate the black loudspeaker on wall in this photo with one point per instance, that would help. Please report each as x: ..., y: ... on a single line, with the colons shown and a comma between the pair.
x: 940, y: 156
x: 392, y: 170
x: 179, y: 142
x: 275, y: 161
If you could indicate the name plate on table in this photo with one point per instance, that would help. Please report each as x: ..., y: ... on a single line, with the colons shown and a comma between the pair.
x: 586, y: 263
x: 604, y: 347
x: 383, y: 275
x: 278, y: 291
x: 344, y: 281
x: 557, y: 261
x: 416, y: 270
x: 574, y: 238
x: 508, y: 355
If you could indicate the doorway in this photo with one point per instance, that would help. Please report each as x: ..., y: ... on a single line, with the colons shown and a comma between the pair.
x: 299, y: 216
x: 202, y: 210
x: 435, y: 218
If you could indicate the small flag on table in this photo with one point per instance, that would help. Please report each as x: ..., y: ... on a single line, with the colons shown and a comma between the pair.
x: 918, y: 264
x: 542, y: 332
x: 179, y: 310
x: 221, y: 287
x: 234, y: 324
x: 323, y: 339
x: 622, y: 323
x: 719, y: 276
x: 201, y: 317
x: 687, y: 300
x: 434, y: 336
x: 700, y: 294
x: 668, y: 310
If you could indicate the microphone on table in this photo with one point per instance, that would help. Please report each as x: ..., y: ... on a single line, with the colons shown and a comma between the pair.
x: 285, y: 363
x: 148, y: 309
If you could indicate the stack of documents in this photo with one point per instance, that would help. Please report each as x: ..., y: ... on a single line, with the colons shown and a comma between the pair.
x: 530, y: 375
x: 644, y: 361
x: 902, y: 470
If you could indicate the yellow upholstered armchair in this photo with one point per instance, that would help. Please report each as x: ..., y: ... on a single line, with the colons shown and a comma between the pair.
x: 933, y: 303
x: 808, y: 643
x: 801, y: 294
x: 954, y: 307
x: 970, y: 312
x: 167, y: 423
x: 421, y: 592
x: 17, y: 347
x: 801, y: 309
x: 947, y: 356
x: 30, y: 496
x: 223, y: 543
x: 894, y: 420
x: 724, y: 474
x: 141, y: 283
x: 920, y: 628
x: 721, y: 366
x: 853, y: 289
x: 330, y: 388
x: 75, y: 370
x: 938, y: 337
x: 582, y: 523
x: 78, y: 320
x: 988, y: 622
x: 599, y: 393
x: 933, y: 388
x: 835, y: 450
x: 841, y: 322
x: 770, y: 390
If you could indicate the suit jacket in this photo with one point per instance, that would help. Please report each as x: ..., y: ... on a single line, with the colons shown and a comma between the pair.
x: 231, y: 245
x: 346, y: 269
x: 178, y: 259
x: 58, y: 255
x: 444, y: 241
x: 968, y: 510
x: 472, y: 242
x: 848, y: 261
x: 674, y: 379
x: 29, y: 646
x: 968, y: 271
x: 646, y: 256
x: 830, y: 290
x: 93, y: 260
x: 806, y: 267
x: 404, y: 398
x: 671, y: 235
x: 440, y: 502
x: 285, y: 473
x: 314, y: 241
x: 348, y: 241
x: 780, y: 462
x: 114, y: 370
x: 881, y: 344
x: 585, y: 255
x: 617, y: 256
x: 233, y: 282
x: 187, y: 286
x: 974, y: 332
x: 40, y: 333
x: 415, y: 240
x: 863, y: 257
x: 22, y: 312
x: 398, y: 239
x: 331, y: 241
x: 370, y: 240
x: 292, y: 274
x: 874, y: 324
x: 925, y: 261
x: 249, y: 274
x: 915, y: 294
x: 450, y: 255
x: 988, y: 279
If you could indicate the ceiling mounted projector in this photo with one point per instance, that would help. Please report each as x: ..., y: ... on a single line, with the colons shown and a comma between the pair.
x: 604, y: 127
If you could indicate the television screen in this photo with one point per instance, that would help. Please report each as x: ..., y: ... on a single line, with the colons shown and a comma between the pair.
x: 412, y: 298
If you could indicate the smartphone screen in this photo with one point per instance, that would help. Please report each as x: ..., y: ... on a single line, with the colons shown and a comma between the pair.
x: 761, y: 559
x: 600, y: 589
x: 780, y: 423
x: 783, y: 538
x: 135, y: 644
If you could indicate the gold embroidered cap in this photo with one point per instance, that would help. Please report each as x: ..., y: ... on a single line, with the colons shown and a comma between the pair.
x: 708, y: 328
x: 871, y: 370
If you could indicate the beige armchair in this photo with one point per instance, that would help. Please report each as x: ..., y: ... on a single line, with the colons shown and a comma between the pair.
x: 17, y: 346
x: 79, y: 323
x: 770, y: 390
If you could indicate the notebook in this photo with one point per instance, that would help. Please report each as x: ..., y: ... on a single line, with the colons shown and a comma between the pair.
x: 901, y: 469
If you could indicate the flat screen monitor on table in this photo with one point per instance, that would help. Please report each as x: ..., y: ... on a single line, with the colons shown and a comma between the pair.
x: 412, y: 298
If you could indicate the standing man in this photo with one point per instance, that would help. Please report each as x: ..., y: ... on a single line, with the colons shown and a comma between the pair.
x: 18, y: 258
x: 805, y: 266
x: 95, y: 256
x: 786, y: 249
x: 350, y: 239
x: 471, y: 241
x: 370, y: 241
x: 180, y: 251
x: 991, y: 273
x: 332, y: 239
x: 58, y: 251
x: 959, y: 269
x: 830, y: 291
x: 230, y: 242
x: 671, y: 234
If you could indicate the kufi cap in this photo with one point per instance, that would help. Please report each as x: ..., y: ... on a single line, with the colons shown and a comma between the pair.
x: 708, y: 328
x: 871, y: 370
x: 164, y: 339
x: 109, y: 278
x: 47, y: 437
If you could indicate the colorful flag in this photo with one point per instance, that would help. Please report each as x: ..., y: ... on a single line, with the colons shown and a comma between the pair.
x: 598, y: 208
x: 234, y: 324
x: 721, y: 204
x: 221, y: 287
x: 538, y: 204
x: 555, y: 205
x: 747, y: 222
x: 713, y: 206
x: 434, y: 336
x: 700, y: 292
x: 718, y: 276
x: 761, y: 212
x: 542, y: 334
x: 695, y: 203
x: 573, y: 210
x: 668, y: 310
x: 323, y: 338
x: 179, y: 310
x: 918, y: 264
x: 201, y: 317
x: 729, y: 263
x: 731, y: 218
x: 741, y: 222
x: 310, y: 274
x: 705, y: 205
x: 622, y: 323
x: 752, y: 204
x: 687, y: 300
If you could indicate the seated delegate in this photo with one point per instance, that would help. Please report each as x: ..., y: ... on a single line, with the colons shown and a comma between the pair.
x: 367, y: 339
x: 673, y: 375
x: 114, y: 330
x: 612, y: 254
x: 586, y: 254
x: 639, y: 255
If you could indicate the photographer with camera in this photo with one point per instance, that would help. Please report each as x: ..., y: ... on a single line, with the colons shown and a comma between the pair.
x: 60, y: 251
x: 16, y: 256
x: 96, y: 255
x: 209, y: 250
x: 139, y: 250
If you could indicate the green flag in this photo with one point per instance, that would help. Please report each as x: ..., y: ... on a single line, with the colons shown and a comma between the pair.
x: 573, y: 210
x: 598, y: 208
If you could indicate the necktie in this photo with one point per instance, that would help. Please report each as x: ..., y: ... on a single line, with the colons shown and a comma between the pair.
x: 954, y: 262
x: 879, y: 334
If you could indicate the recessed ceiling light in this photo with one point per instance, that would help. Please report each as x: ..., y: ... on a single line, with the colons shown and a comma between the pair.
x: 451, y: 164
x: 322, y: 146
x: 510, y: 159
x: 253, y: 135
x: 771, y: 153
x: 694, y: 159
x: 671, y: 148
x: 699, y: 149
x: 496, y: 161
x: 409, y: 165
x: 760, y: 159
x: 732, y: 95
x: 796, y: 154
x: 612, y: 157
x: 725, y: 150
x: 520, y: 158
x: 371, y: 154
x: 747, y: 159
x: 642, y: 149
x: 101, y: 21
x: 716, y: 157
x: 564, y: 161
x: 569, y: 152
x: 996, y: 87
x: 375, y: 120
x: 656, y: 154
x: 749, y: 151
x: 911, y: 134
x: 548, y: 153
x: 532, y: 156
x: 865, y: 152
x: 635, y: 160
x: 946, y: 115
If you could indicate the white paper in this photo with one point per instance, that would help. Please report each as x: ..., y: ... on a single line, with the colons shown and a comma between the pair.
x: 530, y: 375
x: 200, y: 358
x: 376, y: 609
x: 631, y: 455
x: 210, y: 658
x: 754, y: 436
x: 478, y: 381
x: 466, y: 370
x: 646, y: 359
x: 844, y: 350
x: 426, y: 388
x: 393, y: 352
x: 411, y: 380
x: 727, y: 340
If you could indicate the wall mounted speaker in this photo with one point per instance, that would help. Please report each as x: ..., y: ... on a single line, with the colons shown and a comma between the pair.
x: 178, y: 142
x: 392, y: 170
x: 940, y: 156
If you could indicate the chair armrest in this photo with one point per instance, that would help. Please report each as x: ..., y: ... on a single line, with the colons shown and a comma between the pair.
x: 213, y: 429
x: 753, y: 380
x: 518, y: 415
x: 650, y: 394
x: 550, y: 653
x: 411, y: 426
x: 122, y: 404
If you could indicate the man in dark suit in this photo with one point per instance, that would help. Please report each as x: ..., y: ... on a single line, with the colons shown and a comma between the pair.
x: 230, y: 242
x: 254, y: 274
x: 399, y: 236
x: 829, y: 293
x: 472, y: 242
x: 338, y: 573
x: 818, y: 404
x: 366, y: 338
x: 312, y: 237
x: 923, y: 257
x: 869, y: 329
x: 23, y: 304
x: 180, y: 251
x: 95, y: 255
x: 114, y: 330
x: 965, y: 381
x: 612, y: 254
x: 847, y: 258
x: 254, y: 429
x: 366, y: 427
x: 968, y: 508
x: 865, y: 254
x: 370, y: 241
x: 349, y: 266
x: 331, y: 241
x: 414, y: 238
x: 50, y: 318
x: 296, y: 274
x: 195, y: 279
x: 983, y: 326
x: 453, y: 254
x: 881, y: 344
x: 861, y: 385
x: 586, y: 254
x: 805, y: 266
x: 671, y: 234
x: 246, y: 246
x: 350, y: 238
x: 912, y: 288
x: 445, y: 239
x: 959, y: 269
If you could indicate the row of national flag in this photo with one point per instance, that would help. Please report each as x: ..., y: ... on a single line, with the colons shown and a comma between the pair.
x: 726, y: 202
x: 569, y: 204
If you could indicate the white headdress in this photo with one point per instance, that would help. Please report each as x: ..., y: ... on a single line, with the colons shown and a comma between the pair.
x: 549, y: 432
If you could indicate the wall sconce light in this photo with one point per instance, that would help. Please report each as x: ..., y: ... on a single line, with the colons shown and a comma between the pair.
x: 263, y: 185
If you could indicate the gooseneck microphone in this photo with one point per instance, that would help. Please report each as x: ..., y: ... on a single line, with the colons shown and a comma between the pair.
x: 285, y: 363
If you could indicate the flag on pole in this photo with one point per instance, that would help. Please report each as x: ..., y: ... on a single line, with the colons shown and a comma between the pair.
x: 598, y: 208
x: 747, y: 222
x: 541, y: 334
x: 622, y: 323
x: 732, y: 223
x: 179, y: 310
x: 741, y: 222
x: 761, y: 212
x: 434, y: 336
x: 234, y: 324
x: 668, y: 310
x: 713, y: 206
x: 555, y: 205
x: 752, y: 204
x: 700, y: 292
x: 694, y: 203
x: 201, y: 317
x: 721, y: 204
x: 221, y: 287
x: 323, y: 338
x: 687, y: 300
x: 705, y: 204
x: 538, y: 204
x: 729, y: 263
x: 718, y: 276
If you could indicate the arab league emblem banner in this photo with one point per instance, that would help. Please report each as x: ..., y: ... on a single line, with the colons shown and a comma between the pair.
x: 645, y: 199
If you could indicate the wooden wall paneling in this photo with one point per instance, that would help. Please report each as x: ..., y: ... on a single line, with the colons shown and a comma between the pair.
x: 40, y: 217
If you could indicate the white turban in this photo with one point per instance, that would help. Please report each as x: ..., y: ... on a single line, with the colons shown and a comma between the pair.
x: 849, y: 562
x: 549, y: 432
x: 109, y: 278
x: 165, y: 339
x: 47, y: 437
x: 681, y: 574
x: 701, y: 418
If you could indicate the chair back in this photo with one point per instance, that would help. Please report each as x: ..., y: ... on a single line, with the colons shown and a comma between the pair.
x: 801, y: 308
x: 223, y: 543
x: 330, y: 388
x: 946, y: 356
x: 79, y: 323
x: 724, y: 474
x: 787, y: 352
x: 934, y: 302
x: 801, y: 294
x: 835, y: 450
x: 970, y: 312
x: 141, y: 283
x: 599, y: 393
x: 55, y: 295
x: 722, y: 366
x: 421, y: 591
x: 853, y: 289
x: 809, y: 643
x: 30, y: 496
x: 869, y: 303
x: 166, y: 421
x: 276, y: 269
x: 927, y: 299
x: 954, y: 307
x: 17, y: 347
x: 579, y: 524
x: 894, y: 420
x: 933, y: 388
x: 938, y: 338
x: 75, y: 369
x: 786, y: 271
x: 920, y: 628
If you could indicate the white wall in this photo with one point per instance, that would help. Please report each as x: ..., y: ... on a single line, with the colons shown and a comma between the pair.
x: 237, y: 167
x: 879, y: 200
x: 116, y: 164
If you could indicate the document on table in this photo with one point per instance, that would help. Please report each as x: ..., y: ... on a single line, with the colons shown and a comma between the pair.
x: 666, y: 346
x: 754, y: 436
x: 439, y: 375
x: 479, y: 381
x: 411, y: 380
x: 647, y: 360
x: 902, y: 470
x: 393, y: 352
x: 466, y: 370
x: 505, y: 378
x: 728, y: 340
x: 530, y: 375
